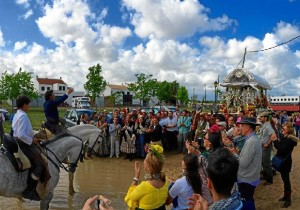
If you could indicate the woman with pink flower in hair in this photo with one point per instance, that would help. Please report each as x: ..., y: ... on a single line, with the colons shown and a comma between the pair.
x: 212, y: 141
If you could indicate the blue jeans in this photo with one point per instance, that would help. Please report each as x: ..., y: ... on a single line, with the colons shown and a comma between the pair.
x: 247, y: 192
x: 266, y: 164
x: 140, y: 146
x: 182, y: 137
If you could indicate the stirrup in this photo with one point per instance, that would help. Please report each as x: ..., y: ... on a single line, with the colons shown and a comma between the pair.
x: 32, y: 195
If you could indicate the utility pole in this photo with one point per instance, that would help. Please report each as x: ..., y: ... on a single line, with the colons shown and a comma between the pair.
x: 205, y: 93
x: 244, y: 57
x: 193, y: 96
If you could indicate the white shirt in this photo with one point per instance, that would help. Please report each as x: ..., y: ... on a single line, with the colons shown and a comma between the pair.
x: 183, y: 190
x: 2, y: 117
x: 22, y: 128
x: 171, y: 122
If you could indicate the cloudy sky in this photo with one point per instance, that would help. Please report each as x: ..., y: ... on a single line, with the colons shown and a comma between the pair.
x: 190, y: 41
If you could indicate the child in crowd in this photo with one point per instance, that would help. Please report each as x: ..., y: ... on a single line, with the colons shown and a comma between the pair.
x: 114, y: 131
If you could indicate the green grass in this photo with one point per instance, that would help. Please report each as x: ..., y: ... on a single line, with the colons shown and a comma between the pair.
x: 36, y: 116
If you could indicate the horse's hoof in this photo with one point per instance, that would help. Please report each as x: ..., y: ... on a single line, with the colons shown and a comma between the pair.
x: 20, y: 198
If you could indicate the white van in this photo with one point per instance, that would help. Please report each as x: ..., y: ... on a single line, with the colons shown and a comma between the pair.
x: 81, y: 102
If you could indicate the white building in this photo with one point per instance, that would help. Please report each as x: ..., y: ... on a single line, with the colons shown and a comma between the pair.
x: 127, y: 96
x: 58, y: 86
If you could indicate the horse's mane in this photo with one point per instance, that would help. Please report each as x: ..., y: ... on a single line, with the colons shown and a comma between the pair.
x: 85, y: 125
x: 57, y: 137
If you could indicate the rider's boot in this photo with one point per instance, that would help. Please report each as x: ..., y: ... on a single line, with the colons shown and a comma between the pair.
x: 30, y: 191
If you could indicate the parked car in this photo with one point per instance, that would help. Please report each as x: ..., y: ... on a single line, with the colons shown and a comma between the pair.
x: 72, y: 116
x: 5, y: 113
x: 167, y: 108
x: 170, y: 108
x: 148, y: 109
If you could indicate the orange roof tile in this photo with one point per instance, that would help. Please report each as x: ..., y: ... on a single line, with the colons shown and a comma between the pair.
x: 47, y: 81
x: 118, y: 87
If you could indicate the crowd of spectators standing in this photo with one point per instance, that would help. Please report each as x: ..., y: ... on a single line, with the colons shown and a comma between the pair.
x: 249, y: 137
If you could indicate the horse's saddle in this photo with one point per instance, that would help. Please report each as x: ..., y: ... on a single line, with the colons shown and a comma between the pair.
x: 21, y: 162
x: 13, y: 152
x: 44, y: 133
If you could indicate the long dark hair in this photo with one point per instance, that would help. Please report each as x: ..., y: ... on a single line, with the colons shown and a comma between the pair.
x: 192, y: 172
x: 215, y: 140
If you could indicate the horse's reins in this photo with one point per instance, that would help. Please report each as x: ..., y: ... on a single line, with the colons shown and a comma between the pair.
x: 61, y: 165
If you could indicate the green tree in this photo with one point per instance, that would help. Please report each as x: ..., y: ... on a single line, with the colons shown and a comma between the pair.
x: 183, y: 95
x: 95, y: 82
x: 116, y: 97
x: 162, y: 91
x: 13, y: 85
x: 167, y: 91
x: 174, y: 86
x: 144, y: 88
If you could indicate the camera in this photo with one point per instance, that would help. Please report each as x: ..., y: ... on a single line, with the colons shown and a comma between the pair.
x: 97, y: 203
x: 100, y: 202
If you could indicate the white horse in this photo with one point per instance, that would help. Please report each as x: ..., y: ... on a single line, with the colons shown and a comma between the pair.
x: 58, y: 148
x: 91, y: 136
x: 93, y: 141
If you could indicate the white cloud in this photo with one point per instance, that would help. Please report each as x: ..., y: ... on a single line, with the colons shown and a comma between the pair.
x: 20, y: 45
x: 24, y: 3
x: 28, y: 14
x: 103, y: 13
x: 172, y: 18
x: 2, y: 42
x: 83, y: 39
x: 66, y: 22
x: 286, y: 31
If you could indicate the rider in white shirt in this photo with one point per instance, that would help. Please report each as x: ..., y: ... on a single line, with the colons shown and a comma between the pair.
x: 2, y: 119
x: 23, y: 133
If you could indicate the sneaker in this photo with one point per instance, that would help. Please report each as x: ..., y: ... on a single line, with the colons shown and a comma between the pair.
x: 110, y: 156
x: 117, y: 156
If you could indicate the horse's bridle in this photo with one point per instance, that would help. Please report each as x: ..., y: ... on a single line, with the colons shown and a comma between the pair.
x: 92, y: 148
x: 72, y: 166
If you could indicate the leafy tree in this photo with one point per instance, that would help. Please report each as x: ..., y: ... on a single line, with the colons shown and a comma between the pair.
x: 144, y: 88
x: 117, y: 97
x: 183, y: 95
x: 174, y: 86
x: 13, y: 85
x: 162, y: 91
x: 95, y: 82
x: 167, y: 91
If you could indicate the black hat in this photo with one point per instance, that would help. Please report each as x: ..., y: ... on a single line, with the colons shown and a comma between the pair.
x: 248, y: 120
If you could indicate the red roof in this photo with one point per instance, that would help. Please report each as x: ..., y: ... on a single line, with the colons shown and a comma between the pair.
x: 118, y: 87
x: 46, y: 81
x: 287, y: 107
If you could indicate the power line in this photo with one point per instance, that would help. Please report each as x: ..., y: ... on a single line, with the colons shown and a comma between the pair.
x: 244, y: 56
x: 275, y: 46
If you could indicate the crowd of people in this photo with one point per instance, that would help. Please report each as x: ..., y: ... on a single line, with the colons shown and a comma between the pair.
x: 233, y: 154
x: 225, y: 156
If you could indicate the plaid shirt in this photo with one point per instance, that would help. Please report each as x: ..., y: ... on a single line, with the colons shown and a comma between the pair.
x: 234, y: 202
